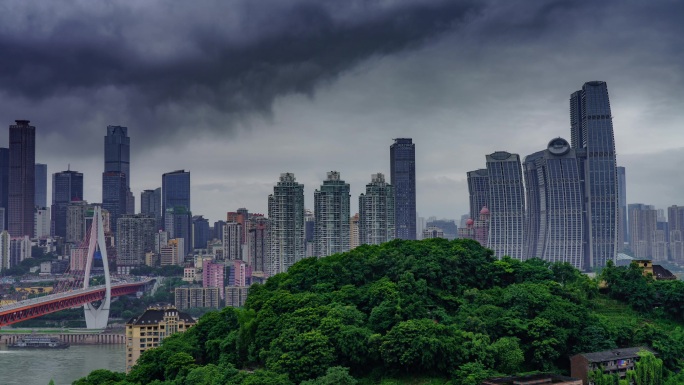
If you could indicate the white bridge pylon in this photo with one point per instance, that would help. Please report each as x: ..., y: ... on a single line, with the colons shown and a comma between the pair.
x: 97, y: 317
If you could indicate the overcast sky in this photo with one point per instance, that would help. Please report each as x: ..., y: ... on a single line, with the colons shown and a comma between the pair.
x: 240, y: 91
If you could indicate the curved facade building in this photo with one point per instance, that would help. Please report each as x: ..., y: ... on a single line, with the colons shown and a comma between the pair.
x: 478, y: 188
x: 592, y: 130
x: 555, y: 220
x: 506, y: 205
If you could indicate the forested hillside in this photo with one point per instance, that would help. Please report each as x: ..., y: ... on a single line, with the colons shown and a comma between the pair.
x: 446, y: 310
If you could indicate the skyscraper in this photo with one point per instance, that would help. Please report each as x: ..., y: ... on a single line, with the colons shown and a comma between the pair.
x: 4, y: 185
x: 642, y: 228
x: 178, y: 223
x: 591, y: 128
x: 22, y: 168
x: 376, y: 212
x: 232, y: 241
x: 506, y: 205
x: 675, y: 218
x: 67, y: 187
x: 176, y: 190
x: 286, y: 215
x: 41, y: 185
x: 118, y: 152
x: 150, y: 204
x: 331, y: 210
x: 200, y: 232
x: 114, y: 196
x: 555, y: 224
x: 403, y: 178
x: 622, y: 212
x: 478, y: 189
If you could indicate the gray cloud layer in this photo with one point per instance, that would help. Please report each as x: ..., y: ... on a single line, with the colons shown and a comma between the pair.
x: 239, y: 91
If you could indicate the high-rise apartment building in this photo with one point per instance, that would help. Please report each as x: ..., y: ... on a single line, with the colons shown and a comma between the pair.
x: 555, y: 224
x: 622, y: 209
x: 331, y: 210
x: 213, y: 276
x: 232, y: 241
x: 134, y: 238
x: 591, y: 128
x: 67, y: 187
x: 41, y: 223
x: 377, y: 212
x: 403, y: 178
x: 478, y: 189
x: 150, y: 204
x: 642, y: 229
x: 354, y: 231
x: 506, y: 205
x: 286, y: 215
x: 200, y: 232
x: 197, y: 297
x: 4, y: 185
x: 258, y: 241
x: 675, y: 218
x: 22, y: 186
x: 41, y: 185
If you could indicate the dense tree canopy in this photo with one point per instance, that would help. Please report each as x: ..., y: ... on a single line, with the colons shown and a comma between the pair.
x: 437, y: 308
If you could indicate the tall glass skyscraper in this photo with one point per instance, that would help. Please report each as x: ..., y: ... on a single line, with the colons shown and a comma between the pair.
x: 116, y: 176
x: 506, y: 205
x: 22, y: 187
x: 150, y: 204
x: 331, y: 210
x: 286, y: 215
x: 41, y: 185
x: 118, y: 152
x: 114, y: 196
x: 176, y: 190
x: 622, y: 202
x: 591, y: 126
x: 478, y: 189
x: 376, y: 212
x: 403, y: 178
x: 67, y: 187
x: 555, y: 223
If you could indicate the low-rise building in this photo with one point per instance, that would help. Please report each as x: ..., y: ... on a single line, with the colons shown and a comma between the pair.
x: 534, y: 379
x: 149, y: 330
x: 616, y: 361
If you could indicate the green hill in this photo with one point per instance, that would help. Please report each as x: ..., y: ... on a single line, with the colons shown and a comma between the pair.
x: 416, y: 312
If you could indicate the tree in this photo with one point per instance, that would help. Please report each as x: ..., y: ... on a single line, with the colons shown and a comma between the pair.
x: 301, y: 355
x: 336, y: 375
x: 649, y: 369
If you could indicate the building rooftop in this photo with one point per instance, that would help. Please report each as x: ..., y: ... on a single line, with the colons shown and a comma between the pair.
x: 154, y: 316
x: 614, y: 354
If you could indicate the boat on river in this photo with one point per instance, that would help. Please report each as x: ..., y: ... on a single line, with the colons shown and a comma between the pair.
x: 39, y: 342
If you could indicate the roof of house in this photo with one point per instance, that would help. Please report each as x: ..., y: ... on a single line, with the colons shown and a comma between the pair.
x: 615, y: 354
x: 660, y: 272
x: 153, y: 316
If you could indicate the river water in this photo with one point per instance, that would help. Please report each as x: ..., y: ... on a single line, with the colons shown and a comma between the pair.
x: 64, y: 366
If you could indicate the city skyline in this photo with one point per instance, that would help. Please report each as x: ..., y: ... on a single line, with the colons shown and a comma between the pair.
x: 497, y: 79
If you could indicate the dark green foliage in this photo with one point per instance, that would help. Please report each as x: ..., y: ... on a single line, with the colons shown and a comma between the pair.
x: 434, y: 308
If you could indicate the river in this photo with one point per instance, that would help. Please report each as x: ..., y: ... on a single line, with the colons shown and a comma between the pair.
x: 37, y: 367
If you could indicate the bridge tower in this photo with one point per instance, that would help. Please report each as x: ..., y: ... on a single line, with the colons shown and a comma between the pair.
x: 97, y: 317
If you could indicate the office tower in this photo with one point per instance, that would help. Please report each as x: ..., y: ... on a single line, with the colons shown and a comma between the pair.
x: 76, y: 226
x: 331, y: 210
x: 3, y: 219
x: 675, y: 217
x: 41, y: 185
x: 591, y: 125
x: 178, y: 223
x: 623, y: 230
x: 134, y: 238
x: 67, y: 187
x: 354, y: 231
x: 218, y: 229
x: 377, y: 212
x: 506, y: 205
x: 150, y: 204
x: 41, y: 223
x: 22, y: 168
x: 200, y: 232
x: 286, y: 213
x: 4, y: 184
x: 232, y: 241
x: 258, y: 239
x: 555, y: 224
x: 114, y: 195
x: 642, y: 227
x: 478, y: 189
x: 176, y: 190
x: 118, y: 152
x: 403, y: 178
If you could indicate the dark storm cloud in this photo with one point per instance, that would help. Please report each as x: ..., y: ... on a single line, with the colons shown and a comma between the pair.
x: 233, y: 57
